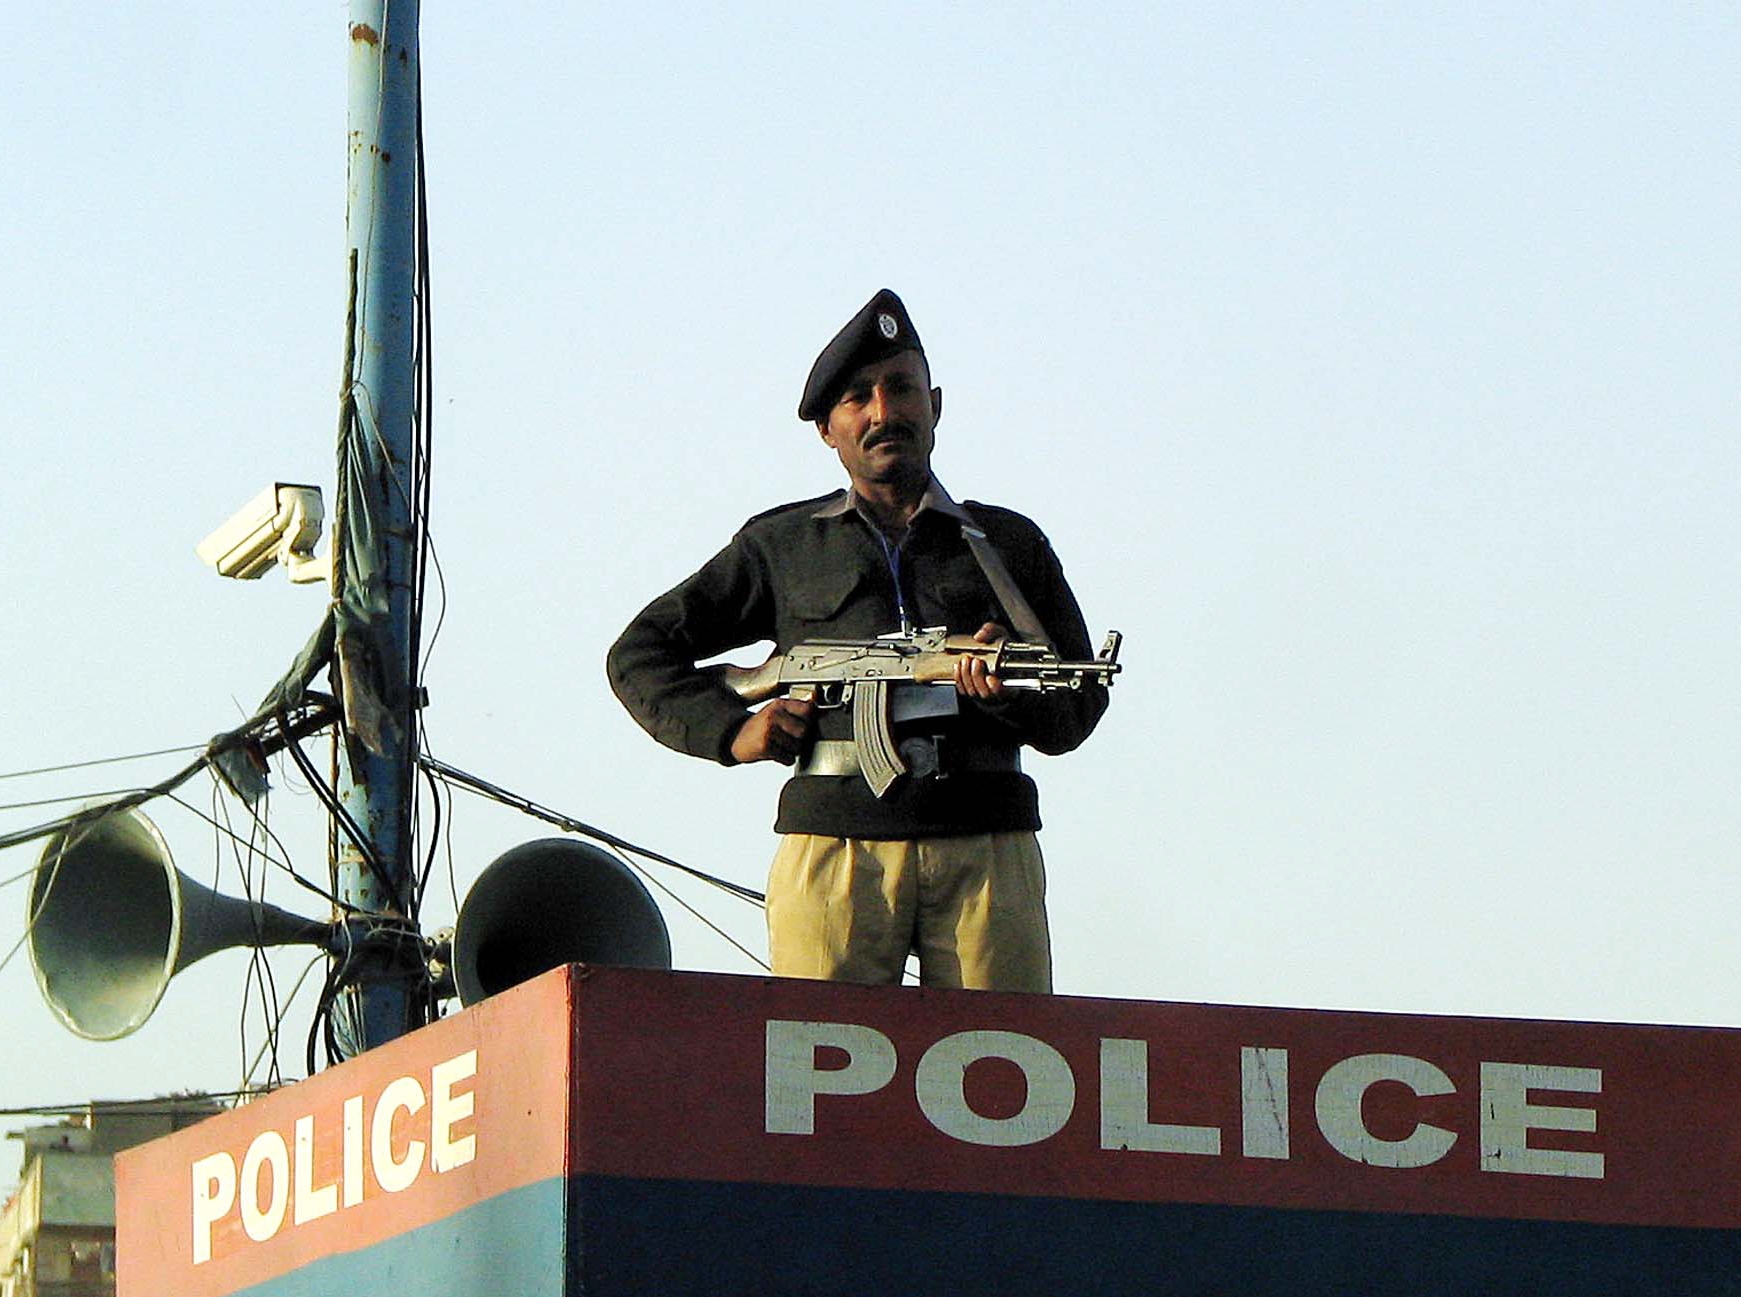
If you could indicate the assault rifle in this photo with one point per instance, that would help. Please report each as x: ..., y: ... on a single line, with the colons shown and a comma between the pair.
x: 835, y: 672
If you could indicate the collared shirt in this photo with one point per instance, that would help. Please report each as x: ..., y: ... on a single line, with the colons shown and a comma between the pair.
x: 935, y: 498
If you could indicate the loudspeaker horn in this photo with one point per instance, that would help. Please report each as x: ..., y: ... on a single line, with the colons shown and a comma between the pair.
x: 551, y: 902
x: 112, y: 920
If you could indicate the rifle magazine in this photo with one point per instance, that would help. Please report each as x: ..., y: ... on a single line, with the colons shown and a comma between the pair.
x: 878, y: 758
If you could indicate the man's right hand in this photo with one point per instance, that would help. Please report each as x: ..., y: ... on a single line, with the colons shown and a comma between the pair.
x: 775, y: 733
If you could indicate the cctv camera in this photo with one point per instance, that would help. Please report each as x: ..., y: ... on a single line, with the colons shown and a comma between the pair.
x: 280, y: 525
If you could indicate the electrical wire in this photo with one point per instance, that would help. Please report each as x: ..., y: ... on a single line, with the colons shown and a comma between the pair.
x: 295, y: 875
x: 89, y: 817
x: 624, y: 849
x: 452, y: 875
x: 170, y: 1107
x: 473, y: 784
x: 243, y: 737
x: 329, y: 798
x: 100, y: 761
x: 116, y: 793
x: 274, y: 1022
x: 18, y: 877
x: 323, y: 1008
x: 693, y: 913
x: 86, y: 797
x: 434, y: 834
x: 423, y: 446
x: 259, y: 976
x: 275, y: 1078
x: 126, y: 801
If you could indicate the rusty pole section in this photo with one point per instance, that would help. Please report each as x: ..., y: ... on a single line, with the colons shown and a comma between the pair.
x: 376, y: 529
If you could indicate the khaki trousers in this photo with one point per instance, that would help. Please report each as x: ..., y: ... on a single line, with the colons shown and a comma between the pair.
x: 851, y: 909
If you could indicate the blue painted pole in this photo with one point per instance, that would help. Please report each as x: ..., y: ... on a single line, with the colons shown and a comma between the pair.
x: 377, y: 527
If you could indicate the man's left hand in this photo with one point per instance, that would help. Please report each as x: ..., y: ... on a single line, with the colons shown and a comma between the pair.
x: 972, y: 676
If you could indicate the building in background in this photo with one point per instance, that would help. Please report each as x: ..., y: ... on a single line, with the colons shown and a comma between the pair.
x: 57, y: 1231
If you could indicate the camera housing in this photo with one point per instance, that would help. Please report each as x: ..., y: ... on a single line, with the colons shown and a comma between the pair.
x: 280, y: 525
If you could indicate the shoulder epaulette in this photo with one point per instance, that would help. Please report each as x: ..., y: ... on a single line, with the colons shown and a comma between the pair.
x: 811, y: 505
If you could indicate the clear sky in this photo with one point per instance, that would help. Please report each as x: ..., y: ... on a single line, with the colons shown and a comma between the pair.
x: 1373, y: 368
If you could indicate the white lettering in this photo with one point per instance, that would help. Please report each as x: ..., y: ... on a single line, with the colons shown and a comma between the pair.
x: 214, y: 1193
x: 1507, y: 1117
x: 267, y: 1152
x: 1344, y: 1086
x: 446, y: 1109
x: 402, y: 1095
x: 793, y: 1081
x: 353, y: 1150
x: 278, y: 1178
x: 940, y: 1083
x: 1263, y: 1102
x: 311, y: 1203
x: 1124, y: 1107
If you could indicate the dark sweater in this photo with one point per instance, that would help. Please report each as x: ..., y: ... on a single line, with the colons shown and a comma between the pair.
x: 809, y: 570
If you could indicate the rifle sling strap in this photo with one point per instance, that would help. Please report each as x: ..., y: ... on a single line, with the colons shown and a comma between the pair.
x: 1016, y: 607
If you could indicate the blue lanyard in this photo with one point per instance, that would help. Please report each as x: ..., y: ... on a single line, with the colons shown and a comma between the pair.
x: 892, y: 554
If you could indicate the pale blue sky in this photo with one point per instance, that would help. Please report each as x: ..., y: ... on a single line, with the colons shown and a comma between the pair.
x: 1372, y: 368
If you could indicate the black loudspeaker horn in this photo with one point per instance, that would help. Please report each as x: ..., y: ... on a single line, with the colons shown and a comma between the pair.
x: 552, y: 902
x: 111, y: 920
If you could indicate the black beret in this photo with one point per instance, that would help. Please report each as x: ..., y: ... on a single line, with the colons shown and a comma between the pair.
x: 878, y: 331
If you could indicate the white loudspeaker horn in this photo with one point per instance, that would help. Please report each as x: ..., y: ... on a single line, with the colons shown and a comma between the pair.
x: 112, y: 920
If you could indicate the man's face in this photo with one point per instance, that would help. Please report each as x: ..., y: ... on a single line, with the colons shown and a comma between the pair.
x: 882, y: 423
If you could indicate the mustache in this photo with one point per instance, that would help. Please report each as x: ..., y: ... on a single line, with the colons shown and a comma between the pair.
x: 895, y: 429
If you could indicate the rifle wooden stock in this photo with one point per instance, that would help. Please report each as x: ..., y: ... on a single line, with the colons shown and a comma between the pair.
x: 755, y: 684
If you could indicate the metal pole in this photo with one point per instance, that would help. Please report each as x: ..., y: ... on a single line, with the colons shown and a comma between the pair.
x: 376, y: 526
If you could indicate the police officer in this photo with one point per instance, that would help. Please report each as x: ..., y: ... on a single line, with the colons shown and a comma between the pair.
x: 946, y: 863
